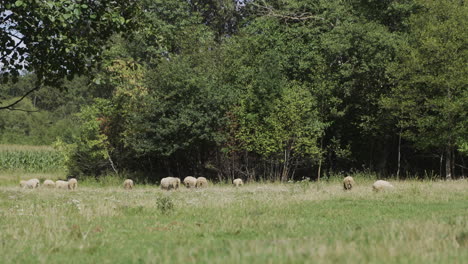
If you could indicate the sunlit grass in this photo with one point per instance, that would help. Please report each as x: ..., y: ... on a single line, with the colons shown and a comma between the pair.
x: 418, y: 222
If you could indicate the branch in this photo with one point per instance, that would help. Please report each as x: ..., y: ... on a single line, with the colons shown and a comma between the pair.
x: 10, y: 106
x: 461, y: 166
x: 6, y: 18
x: 269, y: 11
x: 111, y: 162
x: 13, y: 35
x: 12, y: 49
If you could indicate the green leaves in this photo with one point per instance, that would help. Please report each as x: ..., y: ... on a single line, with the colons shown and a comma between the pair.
x: 284, y: 83
x: 432, y: 74
x: 42, y: 31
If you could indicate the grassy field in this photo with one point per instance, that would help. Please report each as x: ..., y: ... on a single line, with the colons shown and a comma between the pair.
x: 418, y: 222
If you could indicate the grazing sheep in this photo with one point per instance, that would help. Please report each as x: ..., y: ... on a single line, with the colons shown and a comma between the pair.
x: 381, y: 185
x: 201, y: 182
x: 36, y: 180
x: 128, y: 184
x: 62, y: 185
x: 165, y: 183
x: 23, y: 184
x: 348, y: 183
x: 72, y: 184
x: 190, y: 182
x: 238, y: 182
x: 176, y: 183
x: 49, y: 184
x: 30, y: 184
x: 169, y: 183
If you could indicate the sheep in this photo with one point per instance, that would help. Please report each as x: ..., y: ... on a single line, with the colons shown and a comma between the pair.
x: 62, y: 185
x: 381, y: 185
x: 176, y: 183
x: 238, y: 182
x: 169, y: 183
x: 190, y: 182
x: 35, y: 182
x: 72, y: 184
x: 201, y: 182
x: 165, y: 183
x: 49, y: 184
x: 30, y: 184
x: 348, y: 183
x: 23, y: 184
x: 128, y: 184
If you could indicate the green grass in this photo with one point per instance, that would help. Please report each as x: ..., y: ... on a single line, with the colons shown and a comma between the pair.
x: 418, y: 222
x: 30, y: 158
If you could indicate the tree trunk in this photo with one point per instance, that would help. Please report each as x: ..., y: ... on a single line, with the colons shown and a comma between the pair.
x: 399, y: 156
x: 448, y: 163
x: 320, y: 160
x: 454, y: 158
x: 440, y: 164
x: 286, y: 164
x: 383, y: 155
x: 463, y: 167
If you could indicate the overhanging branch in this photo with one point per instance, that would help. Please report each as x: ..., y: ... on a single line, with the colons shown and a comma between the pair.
x: 296, y: 17
x: 10, y: 106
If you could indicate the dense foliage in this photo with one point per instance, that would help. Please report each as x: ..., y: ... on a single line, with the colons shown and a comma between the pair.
x: 273, y: 90
x: 58, y: 38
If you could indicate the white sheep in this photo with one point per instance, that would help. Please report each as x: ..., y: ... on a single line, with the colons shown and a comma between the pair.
x: 128, y: 184
x: 176, y: 183
x: 23, y: 184
x: 48, y: 184
x: 72, y: 184
x: 190, y: 182
x: 381, y: 185
x: 36, y: 181
x: 165, y: 183
x: 201, y: 182
x: 169, y: 183
x: 30, y: 184
x: 61, y: 185
x: 348, y: 183
x: 238, y: 182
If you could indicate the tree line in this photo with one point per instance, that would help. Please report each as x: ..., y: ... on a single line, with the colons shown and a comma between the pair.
x: 273, y: 90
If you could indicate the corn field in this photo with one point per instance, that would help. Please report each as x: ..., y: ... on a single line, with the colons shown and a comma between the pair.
x: 30, y: 158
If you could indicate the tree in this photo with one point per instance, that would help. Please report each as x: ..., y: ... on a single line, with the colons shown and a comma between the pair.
x: 58, y: 38
x: 430, y: 99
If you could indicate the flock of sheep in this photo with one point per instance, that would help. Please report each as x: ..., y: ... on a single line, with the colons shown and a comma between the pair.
x: 379, y: 185
x: 167, y: 183
x: 71, y: 184
x: 170, y: 183
x: 173, y: 183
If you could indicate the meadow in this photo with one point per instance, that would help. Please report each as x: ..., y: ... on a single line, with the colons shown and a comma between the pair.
x: 419, y: 222
x: 304, y: 222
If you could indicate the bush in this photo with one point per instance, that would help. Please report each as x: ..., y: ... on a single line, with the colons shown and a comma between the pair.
x: 165, y: 204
